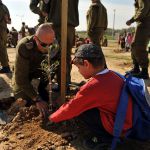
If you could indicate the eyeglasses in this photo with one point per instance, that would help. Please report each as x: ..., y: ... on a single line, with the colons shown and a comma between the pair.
x: 43, y: 44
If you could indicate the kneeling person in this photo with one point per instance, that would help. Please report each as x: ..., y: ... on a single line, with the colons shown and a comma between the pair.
x: 96, y: 102
x: 31, y: 51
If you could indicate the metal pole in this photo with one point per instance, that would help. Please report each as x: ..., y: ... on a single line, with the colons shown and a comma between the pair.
x: 64, y: 21
x: 113, y: 24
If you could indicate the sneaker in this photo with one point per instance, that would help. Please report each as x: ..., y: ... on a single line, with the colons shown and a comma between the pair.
x: 95, y: 143
x: 5, y: 70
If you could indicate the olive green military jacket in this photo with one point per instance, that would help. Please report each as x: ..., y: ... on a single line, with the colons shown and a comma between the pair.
x: 142, y: 11
x: 3, y: 11
x: 27, y: 66
x: 54, y: 14
x: 96, y: 17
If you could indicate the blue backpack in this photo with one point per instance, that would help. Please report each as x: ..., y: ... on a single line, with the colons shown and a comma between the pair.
x: 141, y: 110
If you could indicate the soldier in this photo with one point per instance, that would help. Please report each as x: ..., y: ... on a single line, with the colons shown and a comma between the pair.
x: 23, y: 30
x: 14, y: 34
x: 37, y: 7
x: 31, y: 51
x: 96, y: 21
x: 4, y: 20
x: 140, y: 41
x: 54, y: 16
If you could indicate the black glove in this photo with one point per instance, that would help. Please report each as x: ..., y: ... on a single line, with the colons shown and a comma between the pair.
x: 42, y: 107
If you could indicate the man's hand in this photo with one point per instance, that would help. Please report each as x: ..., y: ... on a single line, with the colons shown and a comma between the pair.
x: 42, y: 107
x: 128, y: 23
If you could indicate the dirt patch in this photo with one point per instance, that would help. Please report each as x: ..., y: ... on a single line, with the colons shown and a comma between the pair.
x: 27, y: 131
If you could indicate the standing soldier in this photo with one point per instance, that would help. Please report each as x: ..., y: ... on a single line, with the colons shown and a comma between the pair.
x: 96, y: 21
x: 23, y: 30
x: 37, y: 7
x: 4, y: 20
x: 54, y: 16
x: 31, y: 51
x: 140, y: 41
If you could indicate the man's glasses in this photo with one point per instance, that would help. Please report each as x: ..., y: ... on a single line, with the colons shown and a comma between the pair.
x: 43, y: 44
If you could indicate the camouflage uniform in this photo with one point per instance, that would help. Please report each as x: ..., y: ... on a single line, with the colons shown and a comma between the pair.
x: 96, y: 22
x: 23, y: 30
x: 54, y: 16
x: 28, y: 67
x: 37, y: 6
x: 142, y: 33
x: 3, y: 35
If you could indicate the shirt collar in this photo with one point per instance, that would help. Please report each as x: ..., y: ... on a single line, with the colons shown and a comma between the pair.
x: 103, y: 72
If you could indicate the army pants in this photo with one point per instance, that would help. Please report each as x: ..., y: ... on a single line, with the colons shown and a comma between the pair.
x: 41, y: 88
x: 70, y: 44
x: 3, y: 49
x: 96, y: 36
x: 139, y: 53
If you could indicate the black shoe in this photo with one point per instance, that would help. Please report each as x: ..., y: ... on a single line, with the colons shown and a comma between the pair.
x: 142, y: 75
x: 95, y: 143
x: 5, y: 70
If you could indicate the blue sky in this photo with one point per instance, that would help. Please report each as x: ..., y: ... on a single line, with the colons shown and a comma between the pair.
x: 19, y: 10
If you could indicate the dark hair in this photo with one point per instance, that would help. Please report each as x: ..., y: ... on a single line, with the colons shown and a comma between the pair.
x: 89, y: 52
x: 94, y: 61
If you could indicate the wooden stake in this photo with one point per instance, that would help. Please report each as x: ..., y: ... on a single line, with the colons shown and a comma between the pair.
x: 64, y: 18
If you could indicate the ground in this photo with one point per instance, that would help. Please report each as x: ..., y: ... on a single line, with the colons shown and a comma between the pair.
x: 27, y: 132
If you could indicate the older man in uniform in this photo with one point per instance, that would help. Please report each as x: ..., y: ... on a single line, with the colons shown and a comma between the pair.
x: 142, y: 36
x: 96, y: 21
x: 31, y: 51
x: 54, y: 16
x: 37, y: 7
x: 4, y: 20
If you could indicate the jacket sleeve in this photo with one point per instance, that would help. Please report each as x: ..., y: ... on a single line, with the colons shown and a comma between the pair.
x: 34, y: 6
x: 4, y: 11
x: 22, y: 72
x: 1, y: 13
x: 83, y: 101
x: 143, y: 10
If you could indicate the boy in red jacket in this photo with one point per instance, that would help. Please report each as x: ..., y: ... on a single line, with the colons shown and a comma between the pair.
x: 96, y: 102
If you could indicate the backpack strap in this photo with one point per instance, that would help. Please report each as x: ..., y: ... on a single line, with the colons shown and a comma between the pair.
x: 120, y: 114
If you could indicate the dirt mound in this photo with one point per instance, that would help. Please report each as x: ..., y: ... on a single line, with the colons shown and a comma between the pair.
x: 27, y: 131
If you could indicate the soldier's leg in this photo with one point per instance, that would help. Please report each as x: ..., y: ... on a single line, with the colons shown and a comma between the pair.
x: 136, y: 67
x: 95, y: 39
x: 3, y: 50
x: 70, y: 44
x: 139, y: 52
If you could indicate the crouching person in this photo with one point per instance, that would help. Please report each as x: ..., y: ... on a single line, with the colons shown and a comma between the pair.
x: 96, y: 102
x: 31, y: 51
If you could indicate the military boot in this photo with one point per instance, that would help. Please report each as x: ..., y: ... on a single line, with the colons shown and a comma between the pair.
x: 5, y: 70
x: 134, y: 70
x: 143, y: 74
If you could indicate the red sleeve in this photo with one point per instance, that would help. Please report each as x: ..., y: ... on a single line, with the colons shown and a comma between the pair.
x: 83, y: 101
